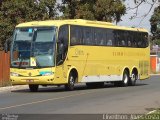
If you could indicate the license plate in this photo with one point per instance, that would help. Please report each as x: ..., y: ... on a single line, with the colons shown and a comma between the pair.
x: 29, y: 81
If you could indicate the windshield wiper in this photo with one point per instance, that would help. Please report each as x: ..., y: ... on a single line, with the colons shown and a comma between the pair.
x: 20, y: 62
x: 37, y: 63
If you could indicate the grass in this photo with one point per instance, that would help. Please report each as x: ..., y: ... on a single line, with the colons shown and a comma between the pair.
x: 5, y: 83
x: 151, y: 116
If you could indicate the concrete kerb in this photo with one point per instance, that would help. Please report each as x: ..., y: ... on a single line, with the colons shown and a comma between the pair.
x: 10, y: 88
x: 154, y: 74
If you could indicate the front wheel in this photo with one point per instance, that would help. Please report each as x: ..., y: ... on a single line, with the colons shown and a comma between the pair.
x: 71, y: 81
x: 33, y: 88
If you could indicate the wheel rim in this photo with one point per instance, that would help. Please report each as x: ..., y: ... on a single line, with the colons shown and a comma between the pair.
x: 71, y: 81
x: 133, y: 77
x: 125, y: 79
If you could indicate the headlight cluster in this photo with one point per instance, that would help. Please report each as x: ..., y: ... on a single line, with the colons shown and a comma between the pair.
x: 14, y: 74
x: 47, y: 74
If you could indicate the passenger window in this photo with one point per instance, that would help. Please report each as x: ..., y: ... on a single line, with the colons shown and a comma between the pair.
x: 87, y: 36
x: 76, y: 35
x: 99, y: 36
x: 134, y: 41
x: 110, y: 37
x: 139, y: 40
x: 145, y: 40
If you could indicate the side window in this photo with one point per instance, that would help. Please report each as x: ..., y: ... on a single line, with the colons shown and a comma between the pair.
x: 62, y: 44
x: 122, y: 38
x: 129, y: 38
x: 99, y: 36
x: 110, y: 37
x: 135, y: 38
x: 119, y: 38
x: 116, y: 37
x: 145, y: 40
x: 139, y: 40
x: 76, y: 35
x: 87, y: 36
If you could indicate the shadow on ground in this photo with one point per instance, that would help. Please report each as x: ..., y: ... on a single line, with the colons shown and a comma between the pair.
x: 77, y: 88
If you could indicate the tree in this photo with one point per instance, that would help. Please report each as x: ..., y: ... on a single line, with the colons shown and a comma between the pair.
x: 155, y: 25
x: 155, y: 19
x: 13, y: 12
x: 138, y: 3
x: 102, y: 10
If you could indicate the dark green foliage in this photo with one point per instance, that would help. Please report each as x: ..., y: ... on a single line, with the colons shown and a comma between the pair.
x: 155, y: 22
x: 13, y: 12
x: 102, y: 10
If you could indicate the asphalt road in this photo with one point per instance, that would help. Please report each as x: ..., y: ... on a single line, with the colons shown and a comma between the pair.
x: 142, y: 98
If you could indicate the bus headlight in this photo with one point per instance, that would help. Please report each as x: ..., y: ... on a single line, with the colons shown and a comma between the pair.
x: 47, y: 74
x: 14, y: 74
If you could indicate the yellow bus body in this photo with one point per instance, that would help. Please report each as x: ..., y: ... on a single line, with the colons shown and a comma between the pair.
x: 92, y: 63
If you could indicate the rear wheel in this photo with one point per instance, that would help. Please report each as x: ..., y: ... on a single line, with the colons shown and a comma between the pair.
x: 125, y: 80
x: 71, y: 81
x: 133, y: 79
x: 33, y: 88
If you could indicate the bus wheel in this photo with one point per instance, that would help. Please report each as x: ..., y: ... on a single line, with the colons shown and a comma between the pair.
x: 33, y: 88
x: 71, y: 81
x: 125, y: 79
x: 133, y: 79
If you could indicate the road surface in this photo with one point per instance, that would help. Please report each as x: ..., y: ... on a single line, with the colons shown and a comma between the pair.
x: 139, y: 99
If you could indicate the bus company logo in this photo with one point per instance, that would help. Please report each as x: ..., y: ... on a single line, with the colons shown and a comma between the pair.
x: 29, y: 74
x: 79, y: 52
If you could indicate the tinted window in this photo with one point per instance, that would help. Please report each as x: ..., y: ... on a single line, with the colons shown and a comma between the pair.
x: 87, y: 36
x: 110, y: 37
x: 76, y: 35
x: 145, y: 40
x: 99, y: 36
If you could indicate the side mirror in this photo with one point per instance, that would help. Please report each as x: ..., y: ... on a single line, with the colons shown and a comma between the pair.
x: 61, y: 50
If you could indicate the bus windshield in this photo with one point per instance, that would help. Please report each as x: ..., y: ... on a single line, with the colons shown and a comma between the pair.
x: 33, y: 47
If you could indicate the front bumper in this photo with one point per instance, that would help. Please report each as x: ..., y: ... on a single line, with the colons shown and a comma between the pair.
x: 41, y: 80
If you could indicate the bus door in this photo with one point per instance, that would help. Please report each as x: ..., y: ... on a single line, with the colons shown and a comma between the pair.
x: 62, y: 49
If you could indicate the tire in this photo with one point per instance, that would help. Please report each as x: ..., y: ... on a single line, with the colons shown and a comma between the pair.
x: 133, y: 79
x: 33, y: 88
x: 125, y: 80
x: 71, y: 81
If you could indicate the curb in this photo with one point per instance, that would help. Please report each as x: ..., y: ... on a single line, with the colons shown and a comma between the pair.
x: 10, y: 88
x: 154, y: 74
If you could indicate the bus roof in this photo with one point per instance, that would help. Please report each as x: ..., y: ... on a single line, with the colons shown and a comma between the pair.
x: 78, y: 22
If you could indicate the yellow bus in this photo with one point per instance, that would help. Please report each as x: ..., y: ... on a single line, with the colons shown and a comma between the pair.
x: 66, y: 52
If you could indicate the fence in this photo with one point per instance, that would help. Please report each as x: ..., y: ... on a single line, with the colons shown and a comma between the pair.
x: 4, y: 68
x: 155, y: 61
